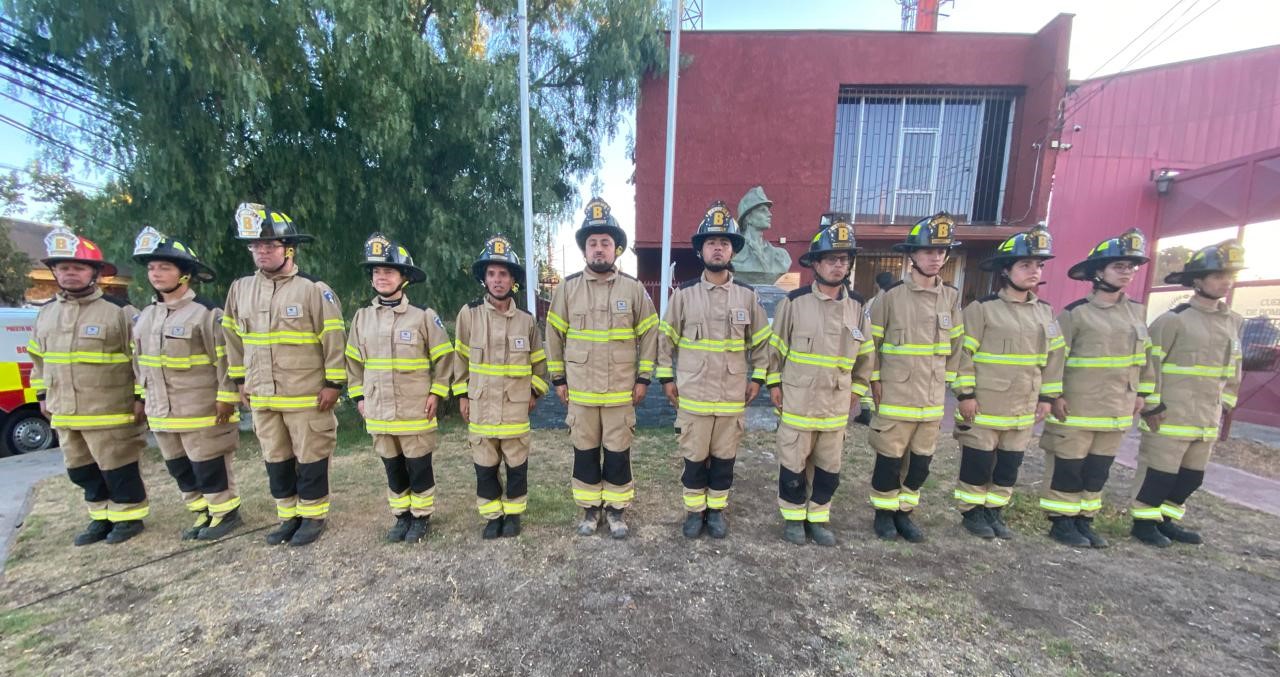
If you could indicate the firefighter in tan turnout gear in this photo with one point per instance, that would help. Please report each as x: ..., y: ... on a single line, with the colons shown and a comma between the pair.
x: 819, y: 369
x: 81, y: 372
x: 182, y: 374
x: 1196, y: 360
x: 1106, y: 376
x: 602, y: 339
x: 399, y: 362
x: 918, y: 330
x: 716, y: 334
x: 1010, y: 373
x: 285, y: 339
x: 501, y: 371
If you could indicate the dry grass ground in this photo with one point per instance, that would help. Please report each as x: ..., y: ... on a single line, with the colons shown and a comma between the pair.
x: 550, y: 603
x: 1249, y: 455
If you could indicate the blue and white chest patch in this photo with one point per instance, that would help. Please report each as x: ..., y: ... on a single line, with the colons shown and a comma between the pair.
x: 620, y: 306
x: 406, y: 336
x: 293, y: 311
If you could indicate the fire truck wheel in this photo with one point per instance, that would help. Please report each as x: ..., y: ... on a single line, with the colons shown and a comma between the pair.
x: 26, y: 430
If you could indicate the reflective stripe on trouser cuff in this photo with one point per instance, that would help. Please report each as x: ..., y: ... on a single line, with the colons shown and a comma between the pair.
x: 1060, y: 507
x: 819, y: 515
x: 625, y: 496
x: 317, y: 511
x: 1146, y: 513
x: 1090, y: 505
x: 908, y: 499
x: 996, y: 500
x: 490, y: 509
x: 515, y: 507
x: 399, y: 503
x: 695, y: 502
x: 587, y: 495
x: 224, y: 507
x: 128, y: 514
x: 718, y: 502
x: 422, y: 502
x: 793, y: 514
x: 1172, y: 510
x: 882, y: 503
x: 286, y: 512
x: 198, y: 505
x: 970, y: 498
x: 97, y: 513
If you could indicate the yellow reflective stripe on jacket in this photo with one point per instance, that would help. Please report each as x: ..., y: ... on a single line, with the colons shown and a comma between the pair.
x: 877, y: 331
x: 332, y: 324
x: 235, y: 371
x: 712, y: 345
x: 971, y: 344
x: 460, y: 388
x: 406, y: 426
x: 270, y: 338
x: 396, y: 363
x: 90, y: 421
x: 439, y: 389
x: 1157, y: 351
x: 820, y: 360
x: 666, y: 372
x: 355, y: 391
x: 644, y: 365
x: 558, y: 322
x: 1186, y: 432
x: 166, y: 423
x: 1057, y: 343
x: 956, y: 331
x: 599, y: 399
x: 33, y: 347
x: 37, y: 384
x: 513, y: 370
x: 601, y: 335
x: 965, y: 381
x: 868, y: 347
x: 498, y: 429
x: 176, y: 362
x: 1094, y: 422
x: 992, y: 420
x: 540, y: 386
x: 700, y: 407
x: 228, y: 396
x: 911, y: 413
x: 537, y: 356
x: 440, y: 350
x: 780, y: 345
x: 1225, y: 371
x: 1229, y: 399
x: 335, y: 374
x: 1031, y: 359
x: 282, y: 401
x: 462, y: 349
x: 1107, y: 362
x: 666, y: 328
x: 916, y: 349
x: 645, y: 325
x: 762, y: 334
x: 555, y: 365
x: 1051, y: 388
x: 815, y: 422
x: 85, y: 357
x: 858, y: 388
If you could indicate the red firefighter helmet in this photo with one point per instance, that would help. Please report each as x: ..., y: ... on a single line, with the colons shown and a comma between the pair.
x: 63, y: 245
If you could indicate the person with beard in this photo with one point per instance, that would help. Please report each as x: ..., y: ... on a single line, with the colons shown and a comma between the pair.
x: 714, y: 327
x: 501, y: 371
x: 917, y: 329
x: 1106, y: 376
x: 399, y: 363
x: 1196, y: 347
x: 285, y: 339
x: 1009, y: 375
x: 820, y: 364
x: 602, y: 339
x: 81, y: 370
x: 182, y: 375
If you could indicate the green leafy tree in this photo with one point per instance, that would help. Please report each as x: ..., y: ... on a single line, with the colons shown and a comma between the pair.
x: 352, y: 116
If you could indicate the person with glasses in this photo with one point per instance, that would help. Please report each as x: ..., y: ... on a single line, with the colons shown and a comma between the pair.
x: 1106, y: 376
x: 820, y: 364
x: 285, y: 351
x: 1009, y: 375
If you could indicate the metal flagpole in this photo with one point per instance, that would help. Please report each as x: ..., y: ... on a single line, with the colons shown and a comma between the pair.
x: 526, y: 170
x: 668, y: 185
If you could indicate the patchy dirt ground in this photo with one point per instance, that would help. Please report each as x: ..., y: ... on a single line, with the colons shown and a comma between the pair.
x: 1248, y: 455
x: 550, y: 603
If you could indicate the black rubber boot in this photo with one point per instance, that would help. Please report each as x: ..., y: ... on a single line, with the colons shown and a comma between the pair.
x: 820, y: 534
x: 492, y: 529
x: 400, y: 528
x: 590, y: 521
x: 693, y: 521
x: 902, y: 522
x: 307, y: 532
x: 1085, y: 526
x: 123, y: 531
x: 418, y: 530
x: 618, y: 528
x: 1174, y: 532
x: 1065, y: 532
x: 793, y: 532
x: 221, y: 526
x: 510, y: 526
x: 975, y: 522
x: 717, y: 526
x: 193, y: 532
x: 284, y: 532
x: 95, y: 532
x: 883, y: 525
x: 1148, y: 532
x: 996, y: 520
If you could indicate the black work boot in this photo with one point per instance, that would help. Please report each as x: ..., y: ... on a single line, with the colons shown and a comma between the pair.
x: 975, y: 522
x: 307, y: 532
x: 418, y: 529
x: 400, y: 528
x: 820, y: 534
x: 96, y: 531
x: 717, y: 525
x: 284, y: 532
x: 996, y: 520
x: 1065, y: 532
x: 1148, y: 532
x: 590, y: 521
x: 123, y: 531
x: 1174, y: 532
x: 510, y: 526
x: 492, y: 529
x: 908, y: 529
x: 883, y: 525
x: 221, y: 525
x: 192, y: 532
x: 693, y: 521
x: 1085, y: 526
x: 793, y: 532
x: 617, y: 525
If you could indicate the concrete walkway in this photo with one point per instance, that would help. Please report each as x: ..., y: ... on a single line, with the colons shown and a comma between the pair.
x: 1227, y: 483
x: 18, y: 476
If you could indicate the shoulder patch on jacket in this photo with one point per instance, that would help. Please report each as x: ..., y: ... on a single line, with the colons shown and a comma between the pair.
x: 115, y: 300
x: 797, y: 293
x: 475, y: 303
x: 989, y: 297
x: 206, y: 302
x: 689, y: 283
x: 1179, y: 308
x: 740, y: 283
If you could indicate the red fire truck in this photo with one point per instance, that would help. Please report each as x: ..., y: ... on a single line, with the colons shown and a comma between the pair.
x: 22, y: 427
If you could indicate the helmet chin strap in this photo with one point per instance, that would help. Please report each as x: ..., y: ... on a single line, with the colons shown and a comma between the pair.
x: 1202, y: 294
x: 85, y: 290
x: 510, y: 293
x: 827, y: 283
x: 1009, y: 281
x: 1103, y: 285
x: 912, y: 262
